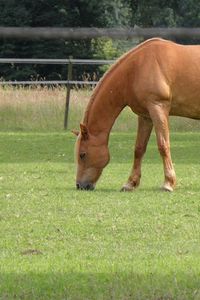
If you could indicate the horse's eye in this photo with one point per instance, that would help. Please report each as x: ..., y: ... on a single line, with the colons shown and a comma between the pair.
x: 82, y: 155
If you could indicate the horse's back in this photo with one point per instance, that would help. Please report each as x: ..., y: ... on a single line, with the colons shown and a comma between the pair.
x: 166, y: 70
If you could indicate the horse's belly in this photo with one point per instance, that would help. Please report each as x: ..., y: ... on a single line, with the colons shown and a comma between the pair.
x: 186, y: 107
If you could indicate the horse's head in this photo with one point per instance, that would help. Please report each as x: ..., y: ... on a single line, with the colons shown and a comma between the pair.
x: 92, y: 156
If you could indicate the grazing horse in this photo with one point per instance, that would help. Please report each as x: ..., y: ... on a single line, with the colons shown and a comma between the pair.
x: 156, y: 79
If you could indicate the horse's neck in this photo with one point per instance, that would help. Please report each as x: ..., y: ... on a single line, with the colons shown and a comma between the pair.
x: 104, y: 108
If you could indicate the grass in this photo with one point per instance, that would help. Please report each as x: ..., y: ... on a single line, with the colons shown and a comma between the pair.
x: 60, y: 243
x: 42, y: 109
x: 38, y: 109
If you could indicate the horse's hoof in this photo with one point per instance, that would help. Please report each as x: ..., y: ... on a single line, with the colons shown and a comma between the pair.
x: 127, y: 188
x: 167, y: 187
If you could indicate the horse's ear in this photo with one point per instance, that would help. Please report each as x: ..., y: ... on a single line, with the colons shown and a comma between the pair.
x: 84, y: 131
x: 75, y: 132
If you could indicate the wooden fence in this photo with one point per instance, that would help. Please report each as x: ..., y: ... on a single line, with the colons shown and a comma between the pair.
x: 74, y: 33
x: 33, y: 33
x: 69, y: 82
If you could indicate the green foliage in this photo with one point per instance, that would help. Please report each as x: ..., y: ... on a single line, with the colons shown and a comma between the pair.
x: 167, y: 14
x: 84, y: 13
x: 154, y: 13
x: 106, y: 48
x: 41, y: 13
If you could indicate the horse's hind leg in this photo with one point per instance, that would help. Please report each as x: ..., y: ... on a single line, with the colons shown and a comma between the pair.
x: 159, y: 116
x: 144, y: 131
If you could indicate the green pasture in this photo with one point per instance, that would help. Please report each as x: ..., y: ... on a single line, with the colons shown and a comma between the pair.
x: 60, y: 243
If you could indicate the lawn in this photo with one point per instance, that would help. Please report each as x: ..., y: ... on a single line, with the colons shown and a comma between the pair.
x: 60, y: 243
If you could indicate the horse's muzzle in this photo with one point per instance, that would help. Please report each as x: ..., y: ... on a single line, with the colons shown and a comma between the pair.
x: 85, y: 186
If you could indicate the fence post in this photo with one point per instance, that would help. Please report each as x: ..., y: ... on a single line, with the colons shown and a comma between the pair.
x: 69, y: 77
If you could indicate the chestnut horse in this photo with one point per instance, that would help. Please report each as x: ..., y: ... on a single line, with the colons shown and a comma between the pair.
x: 156, y: 79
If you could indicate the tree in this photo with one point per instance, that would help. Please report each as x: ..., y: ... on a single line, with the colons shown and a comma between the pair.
x: 84, y: 13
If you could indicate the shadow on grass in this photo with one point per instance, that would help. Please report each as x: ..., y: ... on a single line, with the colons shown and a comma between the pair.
x: 95, y: 191
x: 137, y: 190
x: 96, y: 286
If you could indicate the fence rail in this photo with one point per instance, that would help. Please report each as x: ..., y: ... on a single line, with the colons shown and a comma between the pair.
x: 69, y: 82
x: 49, y: 82
x: 46, y: 61
x: 74, y: 33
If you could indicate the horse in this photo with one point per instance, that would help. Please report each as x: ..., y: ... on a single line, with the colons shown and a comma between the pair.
x: 156, y: 79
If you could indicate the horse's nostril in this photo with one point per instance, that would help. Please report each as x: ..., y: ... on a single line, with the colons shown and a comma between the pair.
x: 84, y: 186
x: 89, y: 187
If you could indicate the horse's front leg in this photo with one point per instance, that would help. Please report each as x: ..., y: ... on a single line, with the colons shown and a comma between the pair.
x: 143, y: 133
x: 160, y: 118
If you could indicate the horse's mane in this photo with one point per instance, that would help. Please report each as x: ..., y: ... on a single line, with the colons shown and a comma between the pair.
x: 110, y: 71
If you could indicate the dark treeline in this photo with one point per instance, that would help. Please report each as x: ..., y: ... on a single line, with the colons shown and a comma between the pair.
x: 84, y: 13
